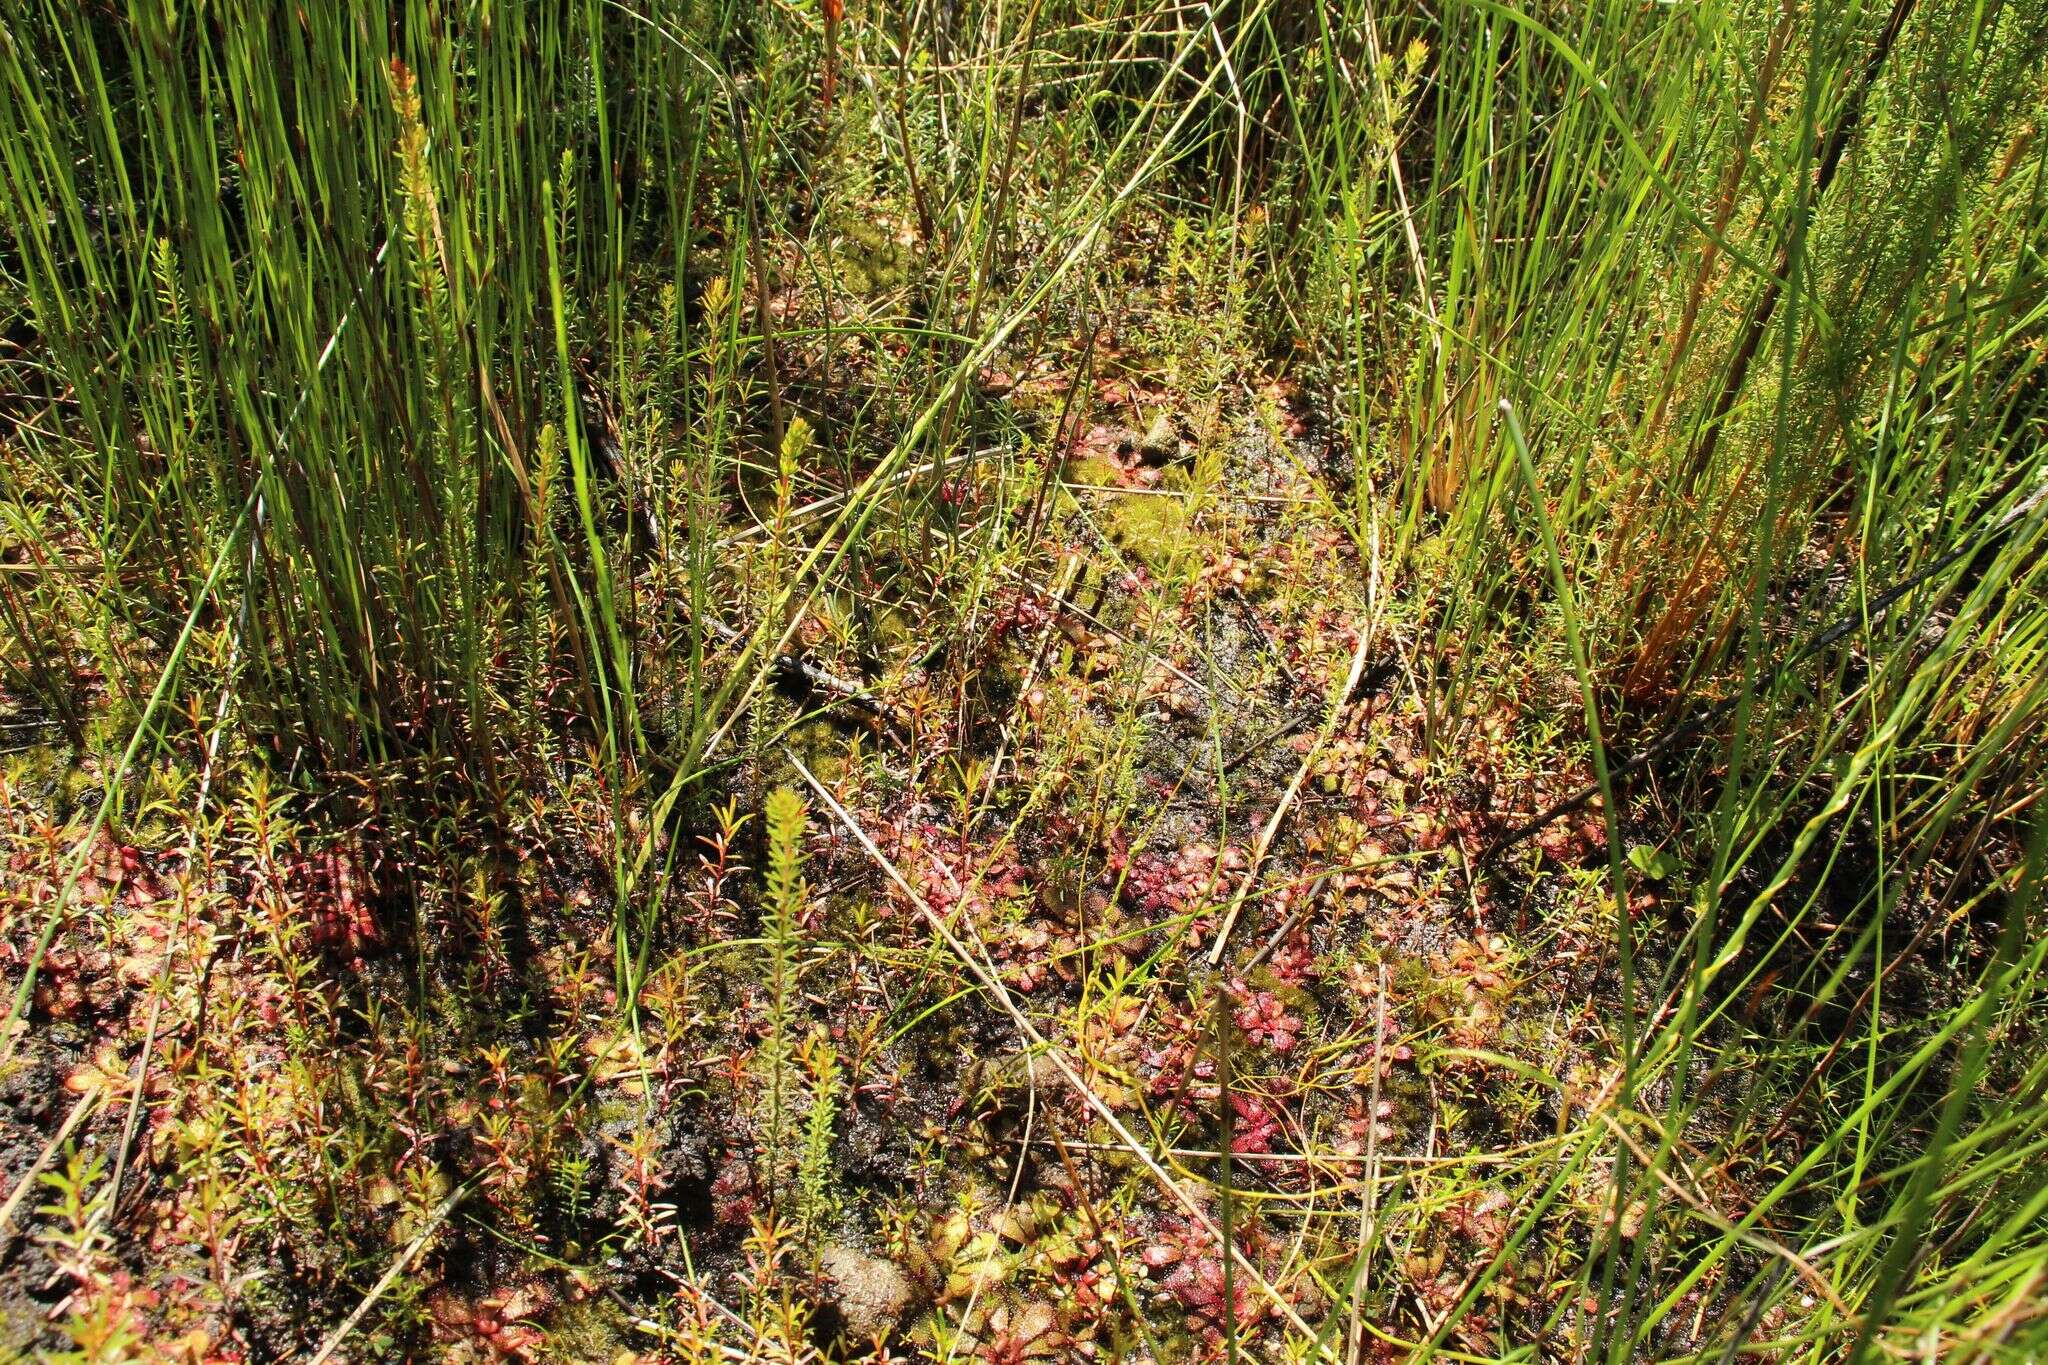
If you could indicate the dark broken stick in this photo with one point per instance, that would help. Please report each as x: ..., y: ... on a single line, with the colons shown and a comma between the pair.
x: 795, y: 669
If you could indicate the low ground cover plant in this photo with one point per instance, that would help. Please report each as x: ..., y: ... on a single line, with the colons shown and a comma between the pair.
x: 1022, y: 682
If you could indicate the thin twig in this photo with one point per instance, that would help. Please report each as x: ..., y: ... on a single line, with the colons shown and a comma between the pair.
x: 1272, y: 829
x: 35, y: 1169
x: 1505, y: 1157
x: 140, y: 1079
x: 1368, y: 1211
x: 398, y: 1267
x: 992, y: 983
x: 1073, y: 608
x: 995, y: 768
x: 811, y: 510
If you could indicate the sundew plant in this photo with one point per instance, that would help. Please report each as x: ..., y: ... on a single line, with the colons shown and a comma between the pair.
x: 1023, y: 680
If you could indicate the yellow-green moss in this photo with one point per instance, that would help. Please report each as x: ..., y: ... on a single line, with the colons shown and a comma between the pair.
x: 587, y: 1329
x: 822, y: 748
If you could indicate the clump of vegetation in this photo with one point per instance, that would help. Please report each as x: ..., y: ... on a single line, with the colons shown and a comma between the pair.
x: 1014, y: 683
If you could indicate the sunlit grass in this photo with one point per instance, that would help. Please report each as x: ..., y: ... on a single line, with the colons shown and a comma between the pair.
x: 486, y: 410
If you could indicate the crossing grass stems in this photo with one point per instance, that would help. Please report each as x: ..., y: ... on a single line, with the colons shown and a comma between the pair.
x: 1654, y: 333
